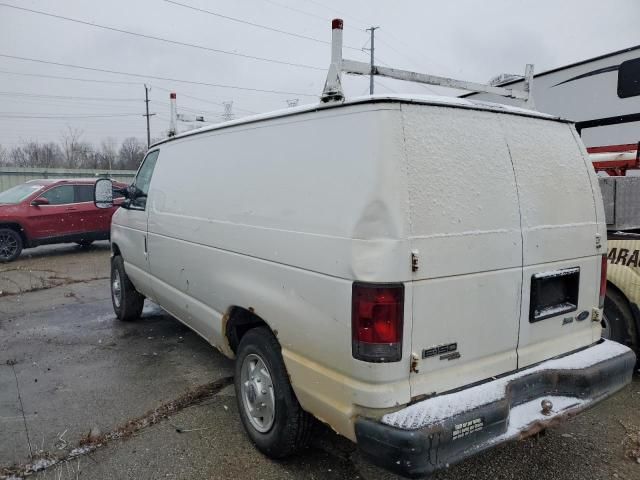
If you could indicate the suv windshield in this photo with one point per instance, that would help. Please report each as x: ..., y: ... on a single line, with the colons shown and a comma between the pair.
x: 19, y: 193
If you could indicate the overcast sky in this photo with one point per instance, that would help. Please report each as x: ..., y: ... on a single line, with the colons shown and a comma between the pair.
x: 466, y: 39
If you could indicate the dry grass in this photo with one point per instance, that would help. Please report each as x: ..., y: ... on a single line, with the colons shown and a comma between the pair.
x: 91, y: 442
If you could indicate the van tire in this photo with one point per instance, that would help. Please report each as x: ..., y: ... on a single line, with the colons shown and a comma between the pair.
x: 292, y: 427
x: 127, y: 301
x: 619, y: 318
x: 10, y: 245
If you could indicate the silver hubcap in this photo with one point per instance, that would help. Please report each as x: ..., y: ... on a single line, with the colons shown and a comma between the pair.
x: 8, y: 245
x: 606, y: 328
x: 258, y: 398
x: 116, y: 288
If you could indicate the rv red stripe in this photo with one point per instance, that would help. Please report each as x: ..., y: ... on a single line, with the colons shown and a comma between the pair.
x: 628, y: 147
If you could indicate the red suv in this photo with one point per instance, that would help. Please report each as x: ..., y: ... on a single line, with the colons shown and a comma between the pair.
x: 41, y: 212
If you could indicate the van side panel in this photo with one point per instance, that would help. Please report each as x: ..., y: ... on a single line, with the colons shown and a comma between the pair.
x: 281, y: 216
x: 465, y: 228
x: 560, y: 225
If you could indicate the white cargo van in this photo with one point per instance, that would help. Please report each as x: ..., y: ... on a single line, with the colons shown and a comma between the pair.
x: 423, y: 311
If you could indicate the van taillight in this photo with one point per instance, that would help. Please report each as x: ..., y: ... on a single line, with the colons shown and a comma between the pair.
x: 603, y: 281
x: 377, y: 318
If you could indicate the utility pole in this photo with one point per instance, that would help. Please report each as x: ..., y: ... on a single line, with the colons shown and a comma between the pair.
x: 372, y: 30
x: 173, y: 115
x: 146, y: 101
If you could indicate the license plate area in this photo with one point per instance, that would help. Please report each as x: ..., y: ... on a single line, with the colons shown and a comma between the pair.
x: 554, y: 293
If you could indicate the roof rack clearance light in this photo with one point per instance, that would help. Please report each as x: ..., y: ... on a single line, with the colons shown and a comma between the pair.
x: 333, y: 85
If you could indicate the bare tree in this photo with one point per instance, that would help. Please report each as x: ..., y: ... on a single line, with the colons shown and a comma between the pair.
x: 74, y: 150
x: 131, y: 154
x: 108, y: 154
x: 34, y: 154
x: 17, y: 157
x: 4, y: 157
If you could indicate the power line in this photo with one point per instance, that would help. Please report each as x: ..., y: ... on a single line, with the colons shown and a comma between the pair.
x: 68, y: 97
x: 162, y: 39
x: 94, y: 104
x: 155, y: 77
x: 308, y: 14
x: 257, y: 25
x: 187, y: 109
x: 339, y: 12
x: 312, y: 15
x: 57, y: 77
x: 23, y: 115
x: 117, y: 83
x: 386, y: 86
x: 220, y: 104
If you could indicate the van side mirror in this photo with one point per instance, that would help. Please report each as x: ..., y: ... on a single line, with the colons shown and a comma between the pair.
x: 103, y: 193
x: 39, y: 201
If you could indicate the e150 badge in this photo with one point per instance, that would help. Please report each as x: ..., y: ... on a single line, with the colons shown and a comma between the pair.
x: 448, y: 351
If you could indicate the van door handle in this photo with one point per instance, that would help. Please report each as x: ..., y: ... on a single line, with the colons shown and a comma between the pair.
x: 145, y: 244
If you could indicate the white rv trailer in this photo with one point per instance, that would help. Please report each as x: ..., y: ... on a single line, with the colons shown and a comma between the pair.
x: 601, y: 94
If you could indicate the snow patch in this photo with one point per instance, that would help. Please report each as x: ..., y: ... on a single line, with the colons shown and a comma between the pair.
x: 41, y: 464
x: 76, y: 452
x: 557, y: 273
x: 438, y: 409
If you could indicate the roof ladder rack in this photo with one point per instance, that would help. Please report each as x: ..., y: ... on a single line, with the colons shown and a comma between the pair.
x: 333, y: 85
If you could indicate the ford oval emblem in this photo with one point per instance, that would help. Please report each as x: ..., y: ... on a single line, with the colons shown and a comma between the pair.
x: 582, y: 316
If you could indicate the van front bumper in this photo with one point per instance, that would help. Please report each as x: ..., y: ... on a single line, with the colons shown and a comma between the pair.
x: 443, y: 430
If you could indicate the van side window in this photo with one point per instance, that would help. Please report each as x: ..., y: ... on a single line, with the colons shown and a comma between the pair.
x: 143, y: 179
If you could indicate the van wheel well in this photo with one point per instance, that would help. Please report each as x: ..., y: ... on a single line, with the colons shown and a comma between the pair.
x: 115, y: 249
x: 240, y: 321
x: 18, y: 228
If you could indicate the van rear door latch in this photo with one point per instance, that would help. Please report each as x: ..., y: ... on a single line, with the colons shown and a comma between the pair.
x: 414, y: 261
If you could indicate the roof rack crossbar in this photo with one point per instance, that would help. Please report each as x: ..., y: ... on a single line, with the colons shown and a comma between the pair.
x: 333, y: 85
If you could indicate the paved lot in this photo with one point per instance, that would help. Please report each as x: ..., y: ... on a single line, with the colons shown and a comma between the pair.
x: 50, y: 266
x: 77, y: 371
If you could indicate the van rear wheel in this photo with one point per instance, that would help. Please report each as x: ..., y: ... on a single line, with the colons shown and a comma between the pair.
x: 617, y: 324
x: 127, y: 301
x: 268, y: 407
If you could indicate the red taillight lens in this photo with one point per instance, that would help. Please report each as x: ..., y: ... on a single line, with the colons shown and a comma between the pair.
x: 377, y: 318
x: 603, y: 281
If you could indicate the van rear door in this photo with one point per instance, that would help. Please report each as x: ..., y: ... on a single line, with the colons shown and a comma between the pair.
x: 465, y: 229
x: 560, y: 206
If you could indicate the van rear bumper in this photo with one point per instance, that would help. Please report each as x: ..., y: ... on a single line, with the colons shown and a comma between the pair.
x: 443, y: 430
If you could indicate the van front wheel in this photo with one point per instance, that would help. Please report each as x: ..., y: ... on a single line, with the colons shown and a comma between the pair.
x: 268, y: 407
x: 127, y: 302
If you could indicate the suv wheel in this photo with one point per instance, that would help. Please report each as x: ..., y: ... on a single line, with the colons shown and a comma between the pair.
x: 269, y: 410
x: 10, y: 244
x: 127, y: 301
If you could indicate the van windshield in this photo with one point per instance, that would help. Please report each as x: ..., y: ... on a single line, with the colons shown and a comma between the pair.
x: 18, y: 193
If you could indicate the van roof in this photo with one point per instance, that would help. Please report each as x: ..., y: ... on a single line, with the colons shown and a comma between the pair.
x: 436, y: 100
